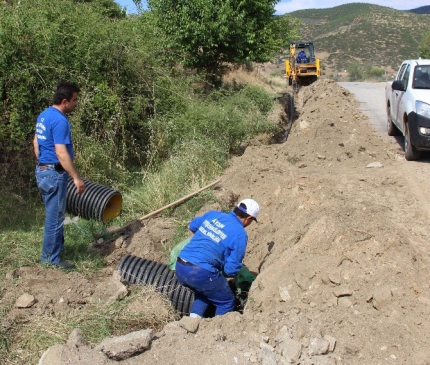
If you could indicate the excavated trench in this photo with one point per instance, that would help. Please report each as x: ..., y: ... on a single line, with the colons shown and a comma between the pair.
x: 137, y: 270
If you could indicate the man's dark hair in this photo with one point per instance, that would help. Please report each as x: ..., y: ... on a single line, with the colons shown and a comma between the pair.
x: 65, y: 90
x: 240, y: 213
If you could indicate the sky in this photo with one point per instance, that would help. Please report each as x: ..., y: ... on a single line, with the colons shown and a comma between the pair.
x: 287, y: 6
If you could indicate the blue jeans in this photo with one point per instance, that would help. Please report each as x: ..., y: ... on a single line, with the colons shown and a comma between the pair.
x: 52, y: 185
x: 208, y: 288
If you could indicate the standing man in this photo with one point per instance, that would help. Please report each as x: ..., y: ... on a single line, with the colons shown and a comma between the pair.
x: 53, y: 148
x: 218, y: 245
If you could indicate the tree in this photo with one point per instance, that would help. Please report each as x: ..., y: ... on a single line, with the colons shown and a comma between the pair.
x: 108, y: 7
x: 355, y: 72
x: 424, y: 47
x: 205, y: 34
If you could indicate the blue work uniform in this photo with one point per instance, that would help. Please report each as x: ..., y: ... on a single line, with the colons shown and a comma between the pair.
x: 218, y: 244
x: 52, y: 127
x: 301, y: 58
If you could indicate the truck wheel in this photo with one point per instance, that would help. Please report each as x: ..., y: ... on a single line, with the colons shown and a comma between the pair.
x: 392, y: 130
x: 411, y: 153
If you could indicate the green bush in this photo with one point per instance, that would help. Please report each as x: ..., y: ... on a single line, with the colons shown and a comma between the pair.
x: 111, y: 59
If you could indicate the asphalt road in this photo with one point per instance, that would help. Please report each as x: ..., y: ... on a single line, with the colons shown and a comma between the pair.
x: 371, y: 96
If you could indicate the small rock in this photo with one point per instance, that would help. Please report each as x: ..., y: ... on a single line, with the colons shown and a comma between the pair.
x: 318, y: 346
x: 284, y: 334
x: 344, y: 302
x: 303, y: 124
x: 122, y: 347
x: 54, y: 354
x: 190, y: 324
x: 76, y: 339
x: 116, y: 276
x: 374, y: 164
x: 325, y: 278
x: 268, y: 357
x: 332, y: 342
x: 381, y: 297
x: 25, y: 301
x: 342, y: 292
x: 118, y: 242
x: 290, y: 350
x: 284, y: 293
x: 67, y: 221
x: 109, y: 291
x: 334, y: 277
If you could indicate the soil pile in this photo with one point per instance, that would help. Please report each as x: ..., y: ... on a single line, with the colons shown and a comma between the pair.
x: 341, y: 252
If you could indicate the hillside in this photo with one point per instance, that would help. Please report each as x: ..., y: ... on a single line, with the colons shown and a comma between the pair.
x: 362, y: 33
x: 421, y: 10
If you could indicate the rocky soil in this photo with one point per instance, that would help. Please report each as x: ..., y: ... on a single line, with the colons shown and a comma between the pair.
x: 341, y: 251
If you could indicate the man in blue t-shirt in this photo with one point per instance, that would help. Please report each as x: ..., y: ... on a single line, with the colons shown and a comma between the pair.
x: 215, y: 251
x: 301, y: 57
x: 53, y: 148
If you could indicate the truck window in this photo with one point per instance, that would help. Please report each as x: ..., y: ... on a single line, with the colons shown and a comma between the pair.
x: 400, y: 73
x: 421, y: 77
x: 405, y: 77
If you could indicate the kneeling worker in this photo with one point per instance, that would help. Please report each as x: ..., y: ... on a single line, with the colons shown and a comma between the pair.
x: 218, y: 245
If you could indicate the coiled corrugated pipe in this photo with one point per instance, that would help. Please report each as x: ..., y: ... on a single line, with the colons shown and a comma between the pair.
x: 97, y: 202
x: 137, y: 270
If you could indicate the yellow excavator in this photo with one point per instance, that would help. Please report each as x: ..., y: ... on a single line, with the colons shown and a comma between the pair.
x: 302, y: 67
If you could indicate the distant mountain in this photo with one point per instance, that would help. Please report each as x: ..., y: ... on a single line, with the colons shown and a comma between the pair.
x: 363, y: 33
x: 421, y: 10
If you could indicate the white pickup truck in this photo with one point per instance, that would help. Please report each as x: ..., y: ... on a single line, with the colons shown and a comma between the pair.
x: 408, y: 106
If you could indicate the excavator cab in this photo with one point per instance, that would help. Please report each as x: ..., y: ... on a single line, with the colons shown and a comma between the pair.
x: 302, y: 67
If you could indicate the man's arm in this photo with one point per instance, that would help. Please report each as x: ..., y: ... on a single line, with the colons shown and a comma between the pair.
x: 233, y: 262
x: 196, y: 222
x: 36, y: 147
x: 67, y: 163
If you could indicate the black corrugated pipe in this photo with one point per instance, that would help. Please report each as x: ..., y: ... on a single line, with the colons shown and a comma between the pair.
x: 137, y: 270
x: 97, y: 202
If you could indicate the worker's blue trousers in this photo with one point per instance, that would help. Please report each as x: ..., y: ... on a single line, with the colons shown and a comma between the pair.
x: 208, y: 288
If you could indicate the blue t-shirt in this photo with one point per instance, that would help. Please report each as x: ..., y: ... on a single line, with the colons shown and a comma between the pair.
x: 219, y: 242
x: 52, y: 128
x: 302, y: 56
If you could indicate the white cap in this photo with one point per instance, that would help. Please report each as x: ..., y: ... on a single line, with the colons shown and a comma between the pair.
x: 249, y: 206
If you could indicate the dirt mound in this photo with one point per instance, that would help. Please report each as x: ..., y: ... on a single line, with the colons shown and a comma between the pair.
x: 341, y: 251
